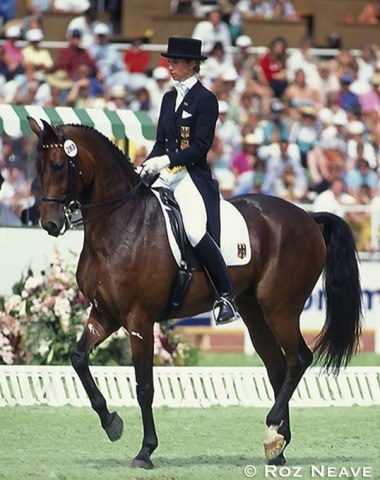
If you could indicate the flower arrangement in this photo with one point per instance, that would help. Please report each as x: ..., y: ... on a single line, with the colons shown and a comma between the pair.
x: 42, y: 320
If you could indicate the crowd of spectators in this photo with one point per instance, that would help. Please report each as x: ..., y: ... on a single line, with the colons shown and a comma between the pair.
x: 290, y: 124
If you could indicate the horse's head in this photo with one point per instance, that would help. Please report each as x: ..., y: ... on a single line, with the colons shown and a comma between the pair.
x: 56, y: 167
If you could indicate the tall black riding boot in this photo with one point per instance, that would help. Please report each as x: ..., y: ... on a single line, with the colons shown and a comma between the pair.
x: 212, y: 260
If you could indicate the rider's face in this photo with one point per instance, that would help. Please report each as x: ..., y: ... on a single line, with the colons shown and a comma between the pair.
x: 181, y: 69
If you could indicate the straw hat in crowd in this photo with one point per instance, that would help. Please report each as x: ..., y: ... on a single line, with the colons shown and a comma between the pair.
x: 60, y: 80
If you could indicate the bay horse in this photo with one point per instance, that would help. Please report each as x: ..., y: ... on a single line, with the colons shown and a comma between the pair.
x: 127, y: 271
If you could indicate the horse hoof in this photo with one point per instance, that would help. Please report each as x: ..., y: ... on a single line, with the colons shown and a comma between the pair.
x: 278, y: 462
x: 114, y: 430
x: 138, y: 463
x: 274, y: 443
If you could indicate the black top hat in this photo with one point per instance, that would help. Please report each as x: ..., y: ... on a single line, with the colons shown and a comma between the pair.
x: 182, y: 47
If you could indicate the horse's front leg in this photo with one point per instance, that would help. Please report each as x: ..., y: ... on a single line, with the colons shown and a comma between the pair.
x: 141, y: 336
x: 97, y: 329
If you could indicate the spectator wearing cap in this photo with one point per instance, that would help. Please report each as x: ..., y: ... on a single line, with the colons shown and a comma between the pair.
x: 36, y: 55
x: 211, y: 30
x: 118, y: 98
x: 73, y: 54
x: 246, y: 159
x: 305, y: 132
x: 107, y: 57
x: 347, y: 99
x: 12, y: 59
x: 243, y: 59
x: 275, y: 126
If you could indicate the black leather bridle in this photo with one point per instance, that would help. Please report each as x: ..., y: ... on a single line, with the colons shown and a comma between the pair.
x: 70, y: 201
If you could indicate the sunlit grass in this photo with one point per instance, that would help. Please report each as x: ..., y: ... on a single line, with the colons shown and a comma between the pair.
x: 67, y: 443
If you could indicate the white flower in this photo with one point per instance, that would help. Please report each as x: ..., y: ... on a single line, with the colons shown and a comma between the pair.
x: 62, y: 307
x: 43, y: 348
x: 13, y: 304
x: 32, y: 283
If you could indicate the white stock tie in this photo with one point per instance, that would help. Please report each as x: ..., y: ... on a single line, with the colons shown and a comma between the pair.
x: 182, y: 89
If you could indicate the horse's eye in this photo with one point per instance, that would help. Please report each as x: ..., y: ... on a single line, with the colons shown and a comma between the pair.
x: 58, y: 167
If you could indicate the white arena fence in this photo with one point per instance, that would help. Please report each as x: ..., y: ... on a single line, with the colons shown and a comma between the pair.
x: 187, y: 387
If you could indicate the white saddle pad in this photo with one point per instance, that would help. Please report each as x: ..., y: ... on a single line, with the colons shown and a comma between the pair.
x: 235, y: 245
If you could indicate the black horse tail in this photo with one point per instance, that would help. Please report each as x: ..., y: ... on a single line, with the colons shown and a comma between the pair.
x: 339, y: 338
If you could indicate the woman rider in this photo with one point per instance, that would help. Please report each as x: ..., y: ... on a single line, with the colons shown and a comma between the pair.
x: 185, y: 133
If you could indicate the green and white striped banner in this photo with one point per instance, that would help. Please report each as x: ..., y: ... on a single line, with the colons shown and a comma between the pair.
x: 116, y: 125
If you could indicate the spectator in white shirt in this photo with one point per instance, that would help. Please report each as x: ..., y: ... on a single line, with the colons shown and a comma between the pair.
x: 213, y: 30
x: 280, y: 158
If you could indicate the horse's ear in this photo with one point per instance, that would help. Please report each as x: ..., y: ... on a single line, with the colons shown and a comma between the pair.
x: 34, y: 126
x: 49, y: 129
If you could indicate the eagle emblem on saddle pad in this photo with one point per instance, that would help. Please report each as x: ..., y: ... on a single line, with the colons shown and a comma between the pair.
x: 241, y: 250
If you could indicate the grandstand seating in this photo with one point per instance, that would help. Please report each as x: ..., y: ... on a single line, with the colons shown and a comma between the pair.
x: 319, y: 18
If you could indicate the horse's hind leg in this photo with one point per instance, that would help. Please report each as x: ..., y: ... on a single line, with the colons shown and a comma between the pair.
x: 278, y: 433
x: 94, y: 333
x: 298, y: 357
x: 267, y: 348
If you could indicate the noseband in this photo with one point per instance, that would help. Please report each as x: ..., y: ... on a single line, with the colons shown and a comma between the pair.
x: 70, y: 202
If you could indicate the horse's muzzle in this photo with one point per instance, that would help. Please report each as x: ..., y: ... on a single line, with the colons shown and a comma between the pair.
x: 52, y: 228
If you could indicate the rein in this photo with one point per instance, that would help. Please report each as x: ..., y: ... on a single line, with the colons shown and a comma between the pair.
x: 70, y: 202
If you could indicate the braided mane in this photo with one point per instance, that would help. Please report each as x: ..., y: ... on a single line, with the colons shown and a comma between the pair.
x: 116, y: 150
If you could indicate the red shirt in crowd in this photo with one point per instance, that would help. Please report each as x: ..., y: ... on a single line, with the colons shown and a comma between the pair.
x: 136, y: 60
x: 271, y: 66
x: 70, y: 57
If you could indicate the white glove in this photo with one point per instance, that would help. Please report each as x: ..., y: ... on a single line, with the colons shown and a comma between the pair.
x: 155, y: 164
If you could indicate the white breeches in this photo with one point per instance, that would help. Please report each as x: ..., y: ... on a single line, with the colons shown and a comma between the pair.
x: 189, y: 200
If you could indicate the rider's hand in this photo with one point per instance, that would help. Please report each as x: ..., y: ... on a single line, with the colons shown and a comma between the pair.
x: 155, y: 164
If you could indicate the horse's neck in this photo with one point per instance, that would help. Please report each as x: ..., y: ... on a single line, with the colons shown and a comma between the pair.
x: 112, y: 175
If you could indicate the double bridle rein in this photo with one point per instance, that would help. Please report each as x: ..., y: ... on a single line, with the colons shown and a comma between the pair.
x: 70, y: 202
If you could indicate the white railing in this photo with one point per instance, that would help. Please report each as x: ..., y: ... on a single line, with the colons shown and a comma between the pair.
x: 187, y: 387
